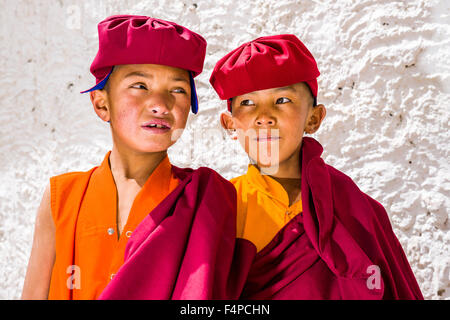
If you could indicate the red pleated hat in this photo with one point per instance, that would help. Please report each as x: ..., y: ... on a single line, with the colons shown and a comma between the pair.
x: 132, y: 39
x: 264, y: 63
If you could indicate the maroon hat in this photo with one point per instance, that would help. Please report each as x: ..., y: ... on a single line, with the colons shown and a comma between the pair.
x: 264, y: 63
x: 130, y: 39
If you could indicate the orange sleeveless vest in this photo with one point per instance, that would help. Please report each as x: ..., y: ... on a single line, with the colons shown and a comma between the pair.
x: 84, y: 208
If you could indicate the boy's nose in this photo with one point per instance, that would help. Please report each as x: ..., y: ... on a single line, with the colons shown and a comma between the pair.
x: 158, y: 109
x: 158, y: 105
x: 265, y: 120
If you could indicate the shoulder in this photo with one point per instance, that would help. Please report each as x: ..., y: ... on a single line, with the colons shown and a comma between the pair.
x: 208, y: 185
x: 44, y: 215
x: 341, y: 179
x: 319, y: 174
x: 348, y: 195
x: 343, y: 185
x: 65, y: 189
x: 69, y: 180
x: 239, y: 181
x: 203, y: 173
x: 208, y: 172
x: 214, y: 177
x: 72, y: 176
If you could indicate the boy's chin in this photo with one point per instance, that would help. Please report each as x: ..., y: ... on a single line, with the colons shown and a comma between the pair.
x: 154, y: 148
x: 157, y: 143
x: 269, y: 170
x: 264, y: 160
x: 267, y: 163
x: 268, y: 166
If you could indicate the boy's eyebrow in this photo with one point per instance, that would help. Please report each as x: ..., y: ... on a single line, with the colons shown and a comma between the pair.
x: 139, y: 74
x: 287, y: 88
x: 147, y: 75
x: 177, y: 78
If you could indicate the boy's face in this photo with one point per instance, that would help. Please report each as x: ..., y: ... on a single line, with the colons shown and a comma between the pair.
x: 140, y: 94
x: 270, y: 123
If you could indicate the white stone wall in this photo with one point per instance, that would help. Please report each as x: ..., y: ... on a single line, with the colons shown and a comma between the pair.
x: 385, y: 80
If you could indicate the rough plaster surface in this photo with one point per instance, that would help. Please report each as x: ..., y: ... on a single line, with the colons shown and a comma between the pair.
x: 385, y: 82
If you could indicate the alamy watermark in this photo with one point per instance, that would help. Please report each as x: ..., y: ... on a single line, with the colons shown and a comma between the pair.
x: 374, y: 280
x: 262, y: 146
x: 74, y: 280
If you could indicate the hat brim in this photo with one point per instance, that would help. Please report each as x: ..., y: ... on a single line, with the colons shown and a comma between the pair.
x: 194, y: 98
x: 101, y: 84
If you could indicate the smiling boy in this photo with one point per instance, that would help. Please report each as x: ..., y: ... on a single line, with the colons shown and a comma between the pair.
x: 137, y: 227
x: 315, y: 234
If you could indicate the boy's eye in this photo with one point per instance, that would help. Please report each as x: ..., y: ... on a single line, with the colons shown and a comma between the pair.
x: 179, y: 90
x: 283, y: 100
x: 138, y: 86
x: 247, y: 102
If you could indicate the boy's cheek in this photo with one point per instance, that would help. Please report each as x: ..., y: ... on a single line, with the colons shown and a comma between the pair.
x: 180, y: 117
x: 241, y: 122
x: 176, y: 134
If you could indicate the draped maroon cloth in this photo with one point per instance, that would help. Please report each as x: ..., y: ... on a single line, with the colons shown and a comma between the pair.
x: 336, y: 248
x: 341, y: 246
x: 186, y: 248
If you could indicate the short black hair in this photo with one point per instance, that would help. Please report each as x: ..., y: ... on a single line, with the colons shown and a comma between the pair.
x: 314, y: 99
x: 106, y: 87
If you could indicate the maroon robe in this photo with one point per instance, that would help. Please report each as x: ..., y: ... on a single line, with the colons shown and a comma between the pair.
x: 341, y: 246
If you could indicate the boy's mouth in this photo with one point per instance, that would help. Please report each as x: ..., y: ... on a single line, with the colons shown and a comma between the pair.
x: 266, y: 138
x: 156, y: 126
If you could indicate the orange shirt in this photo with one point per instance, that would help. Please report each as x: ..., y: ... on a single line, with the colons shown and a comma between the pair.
x: 263, y: 207
x: 98, y: 252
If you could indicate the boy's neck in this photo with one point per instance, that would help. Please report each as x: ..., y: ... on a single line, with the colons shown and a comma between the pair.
x: 288, y: 174
x: 127, y: 166
x: 292, y: 186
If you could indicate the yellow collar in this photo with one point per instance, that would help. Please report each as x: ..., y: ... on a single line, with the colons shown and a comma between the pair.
x: 267, y: 185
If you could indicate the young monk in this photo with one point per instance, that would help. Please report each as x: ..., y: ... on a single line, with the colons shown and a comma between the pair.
x: 137, y: 227
x: 315, y: 234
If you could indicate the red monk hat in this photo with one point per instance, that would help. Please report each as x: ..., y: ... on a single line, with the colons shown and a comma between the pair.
x: 264, y: 63
x: 130, y: 39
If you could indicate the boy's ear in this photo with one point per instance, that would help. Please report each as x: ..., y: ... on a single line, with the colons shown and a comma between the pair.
x: 99, y: 99
x: 226, y: 120
x: 315, y: 119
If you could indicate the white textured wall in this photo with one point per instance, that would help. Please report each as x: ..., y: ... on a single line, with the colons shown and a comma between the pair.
x: 385, y: 82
